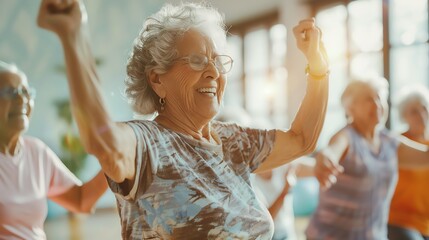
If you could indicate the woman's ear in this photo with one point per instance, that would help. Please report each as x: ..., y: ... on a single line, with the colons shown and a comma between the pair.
x: 349, y: 113
x: 156, y: 84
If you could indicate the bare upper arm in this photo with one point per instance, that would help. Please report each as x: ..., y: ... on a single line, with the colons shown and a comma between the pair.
x: 337, y: 147
x: 83, y: 198
x: 70, y: 199
x: 117, y: 158
x: 287, y: 146
x: 412, y: 154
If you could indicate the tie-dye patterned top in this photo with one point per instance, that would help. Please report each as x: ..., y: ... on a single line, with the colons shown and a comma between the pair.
x: 188, y: 189
x: 357, y: 206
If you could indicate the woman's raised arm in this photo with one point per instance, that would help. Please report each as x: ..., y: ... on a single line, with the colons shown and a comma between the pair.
x: 112, y: 143
x: 412, y: 154
x: 302, y: 137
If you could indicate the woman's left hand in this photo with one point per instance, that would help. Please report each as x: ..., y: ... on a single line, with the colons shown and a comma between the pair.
x: 308, y: 39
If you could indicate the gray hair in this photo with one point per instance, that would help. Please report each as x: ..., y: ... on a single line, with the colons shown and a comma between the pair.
x: 412, y: 94
x: 12, y: 68
x: 155, y: 48
x: 379, y: 84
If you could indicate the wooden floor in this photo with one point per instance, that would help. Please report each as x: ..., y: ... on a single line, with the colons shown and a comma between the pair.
x: 300, y: 226
x: 104, y: 224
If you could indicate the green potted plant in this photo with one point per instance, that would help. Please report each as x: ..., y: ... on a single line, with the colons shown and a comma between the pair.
x: 73, y: 153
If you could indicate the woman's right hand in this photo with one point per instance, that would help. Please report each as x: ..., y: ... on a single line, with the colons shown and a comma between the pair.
x: 309, y: 40
x: 63, y: 17
x: 326, y: 171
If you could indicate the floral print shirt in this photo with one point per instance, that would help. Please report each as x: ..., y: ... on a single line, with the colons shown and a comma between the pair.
x: 188, y: 189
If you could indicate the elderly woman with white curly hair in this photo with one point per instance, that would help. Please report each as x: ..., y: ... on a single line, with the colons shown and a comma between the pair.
x: 409, y: 210
x: 359, y: 168
x: 30, y: 172
x: 183, y: 175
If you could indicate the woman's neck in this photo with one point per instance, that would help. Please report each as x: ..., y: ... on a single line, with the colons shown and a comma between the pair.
x: 367, y: 131
x: 370, y: 134
x: 9, y: 145
x: 198, y: 131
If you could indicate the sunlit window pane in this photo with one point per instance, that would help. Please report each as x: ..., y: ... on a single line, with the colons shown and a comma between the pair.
x: 265, y: 83
x: 278, y: 35
x: 335, y: 119
x: 258, y: 90
x: 409, y: 21
x: 409, y: 65
x: 366, y: 25
x: 332, y: 21
x: 366, y: 65
x: 337, y: 82
x: 234, y: 91
x: 360, y: 53
x: 279, y: 105
x: 256, y: 51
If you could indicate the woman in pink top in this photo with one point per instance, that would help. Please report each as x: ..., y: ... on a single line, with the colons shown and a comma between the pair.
x: 30, y: 172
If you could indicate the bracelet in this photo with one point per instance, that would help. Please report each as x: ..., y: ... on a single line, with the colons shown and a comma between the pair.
x: 315, y: 77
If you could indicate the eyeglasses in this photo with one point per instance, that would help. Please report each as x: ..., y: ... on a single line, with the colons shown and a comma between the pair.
x: 10, y: 93
x: 199, y: 62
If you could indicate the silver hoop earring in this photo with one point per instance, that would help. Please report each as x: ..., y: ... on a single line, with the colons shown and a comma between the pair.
x: 162, y: 103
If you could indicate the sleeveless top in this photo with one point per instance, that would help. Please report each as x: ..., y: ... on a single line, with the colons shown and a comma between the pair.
x: 410, y: 203
x: 188, y: 189
x: 357, y: 206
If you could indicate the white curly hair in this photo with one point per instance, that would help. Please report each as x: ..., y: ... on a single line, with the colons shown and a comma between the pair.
x: 155, y: 47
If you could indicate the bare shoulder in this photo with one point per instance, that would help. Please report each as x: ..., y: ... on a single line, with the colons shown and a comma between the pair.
x: 341, y: 135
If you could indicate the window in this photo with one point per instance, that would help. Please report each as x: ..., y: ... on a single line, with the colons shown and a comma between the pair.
x: 373, y: 37
x: 258, y: 79
x: 409, y: 52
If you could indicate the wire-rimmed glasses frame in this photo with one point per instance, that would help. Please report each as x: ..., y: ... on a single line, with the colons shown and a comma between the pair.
x: 199, y: 62
x: 10, y: 93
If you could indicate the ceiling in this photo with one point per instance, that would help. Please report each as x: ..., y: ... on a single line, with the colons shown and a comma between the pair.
x: 239, y: 10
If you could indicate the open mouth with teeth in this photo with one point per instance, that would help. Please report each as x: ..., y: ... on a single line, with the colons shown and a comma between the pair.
x: 208, y: 91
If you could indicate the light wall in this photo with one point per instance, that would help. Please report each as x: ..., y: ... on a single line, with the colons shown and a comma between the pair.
x: 113, y: 26
x: 293, y: 11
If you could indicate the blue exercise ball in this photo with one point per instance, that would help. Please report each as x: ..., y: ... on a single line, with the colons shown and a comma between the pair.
x: 305, y: 196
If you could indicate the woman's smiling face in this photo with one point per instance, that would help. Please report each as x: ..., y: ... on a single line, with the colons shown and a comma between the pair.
x: 416, y: 115
x: 198, y: 93
x: 367, y: 107
x: 15, y: 110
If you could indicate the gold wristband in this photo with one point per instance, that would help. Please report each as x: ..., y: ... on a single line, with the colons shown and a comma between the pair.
x: 315, y: 77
